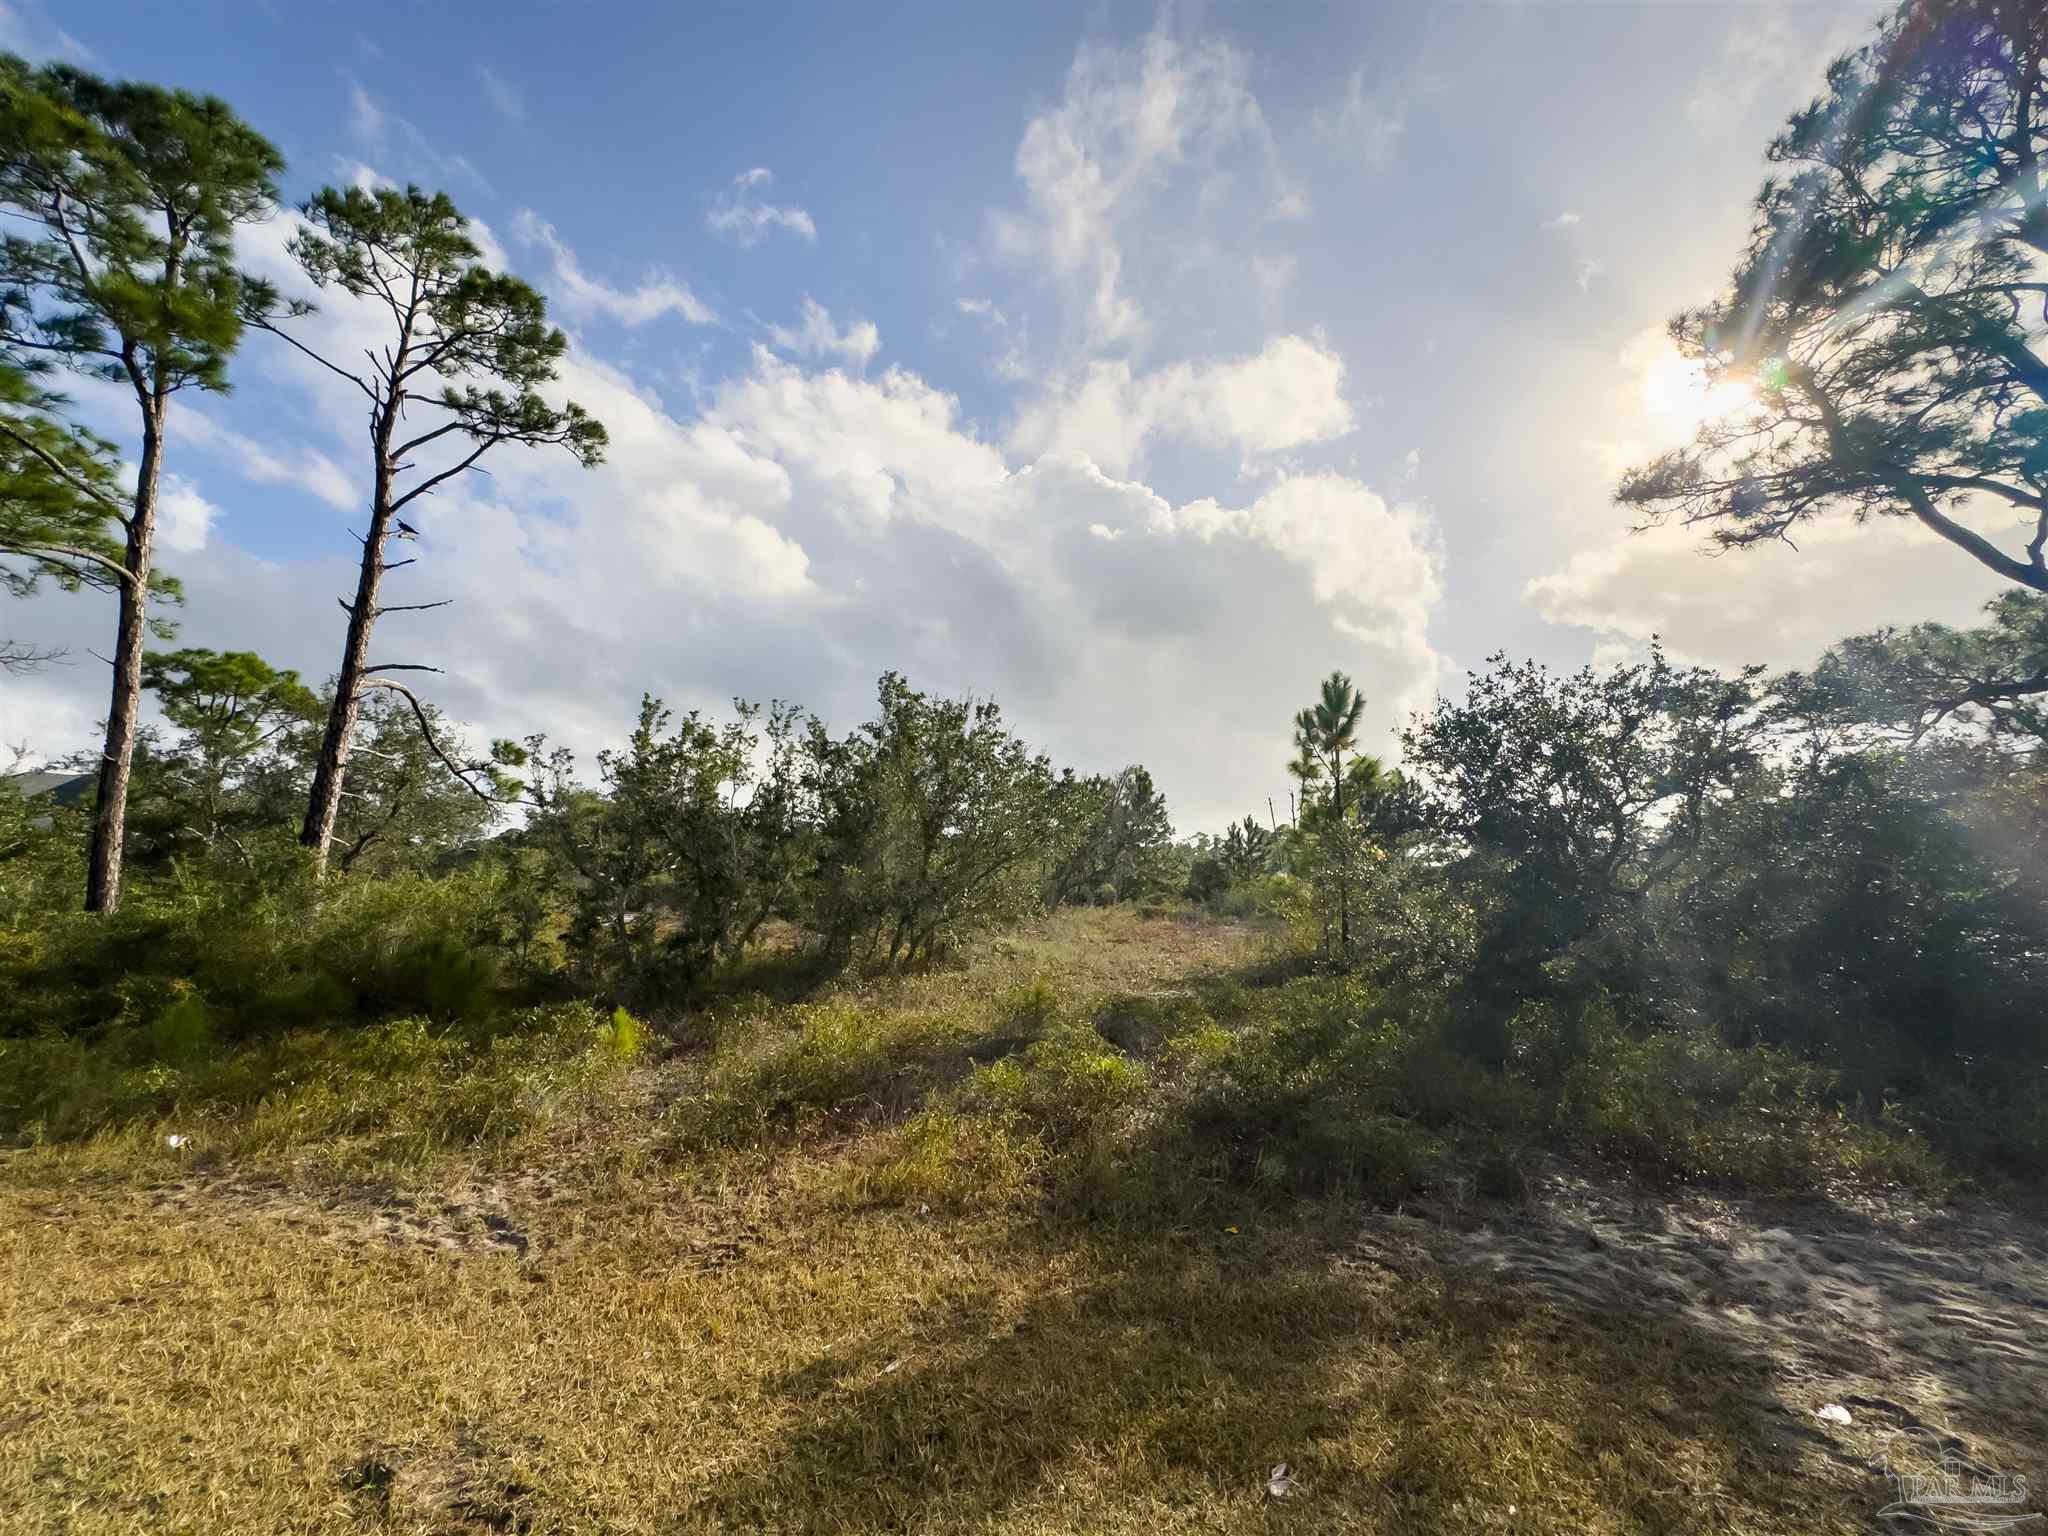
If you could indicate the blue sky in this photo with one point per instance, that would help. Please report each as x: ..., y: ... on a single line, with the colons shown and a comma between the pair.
x: 1133, y: 365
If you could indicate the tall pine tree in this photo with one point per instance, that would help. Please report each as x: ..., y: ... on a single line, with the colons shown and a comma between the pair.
x: 460, y: 373
x: 125, y: 199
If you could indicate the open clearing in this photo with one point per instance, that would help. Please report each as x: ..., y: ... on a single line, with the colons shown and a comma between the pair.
x: 591, y: 1330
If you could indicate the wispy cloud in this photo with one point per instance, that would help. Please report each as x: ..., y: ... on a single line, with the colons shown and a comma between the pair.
x: 741, y: 215
x: 365, y: 117
x: 375, y: 127
x: 501, y: 94
x: 816, y: 336
x: 1370, y: 121
x: 305, y: 468
x: 661, y: 294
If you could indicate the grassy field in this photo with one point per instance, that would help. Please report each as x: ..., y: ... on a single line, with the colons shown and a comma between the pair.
x: 1043, y: 1244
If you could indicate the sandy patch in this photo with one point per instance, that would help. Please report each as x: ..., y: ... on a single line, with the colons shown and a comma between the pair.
x: 1905, y: 1313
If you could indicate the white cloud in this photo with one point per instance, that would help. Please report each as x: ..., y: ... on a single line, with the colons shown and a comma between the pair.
x: 501, y: 94
x: 1288, y: 395
x: 1130, y: 118
x: 661, y: 294
x: 816, y: 337
x: 304, y: 467
x: 807, y: 524
x: 749, y: 220
x: 28, y: 31
x: 1564, y: 220
x: 365, y: 117
x: 1379, y: 561
x: 1369, y: 122
x: 1584, y: 270
x: 377, y: 129
x: 184, y: 518
x: 1273, y: 274
x: 1771, y: 604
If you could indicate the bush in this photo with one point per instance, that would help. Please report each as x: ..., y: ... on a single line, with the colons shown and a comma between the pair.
x: 418, y: 1086
x: 294, y: 956
x: 182, y: 1031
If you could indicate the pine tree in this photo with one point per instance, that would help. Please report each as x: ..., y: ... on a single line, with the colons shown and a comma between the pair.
x: 469, y: 350
x: 126, y: 199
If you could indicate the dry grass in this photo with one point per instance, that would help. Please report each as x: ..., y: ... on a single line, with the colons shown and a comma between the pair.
x: 623, y: 1322
x: 696, y: 1365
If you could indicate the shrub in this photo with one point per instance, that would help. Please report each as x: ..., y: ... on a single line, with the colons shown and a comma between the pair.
x: 1063, y: 1085
x: 182, y: 1031
x: 621, y: 1037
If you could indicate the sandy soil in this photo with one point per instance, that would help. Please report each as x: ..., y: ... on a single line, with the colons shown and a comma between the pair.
x: 1906, y: 1314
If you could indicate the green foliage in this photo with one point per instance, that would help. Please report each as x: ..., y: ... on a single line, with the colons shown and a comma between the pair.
x: 130, y: 195
x: 1567, y: 798
x: 692, y: 848
x: 622, y: 1037
x: 268, y: 959
x: 1061, y: 1085
x: 462, y: 320
x: 1885, y: 315
x: 1914, y: 681
x: 385, y: 1092
x: 182, y: 1031
x: 469, y: 350
x: 59, y: 498
x: 120, y: 264
x: 449, y: 980
x: 1118, y: 837
x: 933, y: 820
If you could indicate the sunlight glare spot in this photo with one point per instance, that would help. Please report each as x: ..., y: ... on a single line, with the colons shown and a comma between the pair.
x: 1677, y: 393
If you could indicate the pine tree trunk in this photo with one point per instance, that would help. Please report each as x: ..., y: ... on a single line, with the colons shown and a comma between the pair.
x: 124, y: 706
x: 1343, y: 855
x: 323, y: 803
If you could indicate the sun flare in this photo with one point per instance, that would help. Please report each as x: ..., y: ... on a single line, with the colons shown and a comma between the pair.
x: 1678, y: 394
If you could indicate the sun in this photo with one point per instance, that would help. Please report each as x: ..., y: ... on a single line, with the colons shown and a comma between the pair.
x: 1678, y: 395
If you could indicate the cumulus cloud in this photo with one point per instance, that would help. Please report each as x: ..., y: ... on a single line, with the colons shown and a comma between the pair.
x: 815, y: 336
x: 184, y: 518
x: 812, y: 527
x: 1770, y: 604
x: 661, y: 294
x: 1289, y: 394
x: 742, y: 212
x: 813, y: 519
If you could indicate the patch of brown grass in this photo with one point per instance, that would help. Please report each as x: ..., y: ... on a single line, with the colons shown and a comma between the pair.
x: 853, y: 1308
x: 838, y: 1374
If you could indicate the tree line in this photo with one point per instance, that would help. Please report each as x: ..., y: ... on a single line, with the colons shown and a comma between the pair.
x: 1849, y: 852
